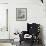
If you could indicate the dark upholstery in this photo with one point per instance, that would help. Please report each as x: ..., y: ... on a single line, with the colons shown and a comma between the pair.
x: 32, y: 29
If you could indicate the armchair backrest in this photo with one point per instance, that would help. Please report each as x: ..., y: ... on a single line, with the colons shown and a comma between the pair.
x: 33, y: 28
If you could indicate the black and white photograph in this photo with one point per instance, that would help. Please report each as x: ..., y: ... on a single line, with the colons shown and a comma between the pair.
x: 22, y: 22
x: 21, y: 14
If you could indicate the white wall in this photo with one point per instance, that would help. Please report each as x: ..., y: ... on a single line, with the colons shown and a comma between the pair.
x: 4, y: 34
x: 35, y: 13
x: 3, y: 21
x: 3, y: 1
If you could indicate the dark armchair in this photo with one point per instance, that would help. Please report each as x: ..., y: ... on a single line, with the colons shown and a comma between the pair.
x: 33, y: 30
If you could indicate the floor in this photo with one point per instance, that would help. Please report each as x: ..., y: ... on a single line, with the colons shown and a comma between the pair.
x: 27, y: 44
x: 23, y: 44
x: 5, y: 44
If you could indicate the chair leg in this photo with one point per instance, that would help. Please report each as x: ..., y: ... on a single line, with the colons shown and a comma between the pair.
x: 20, y: 42
x: 32, y: 42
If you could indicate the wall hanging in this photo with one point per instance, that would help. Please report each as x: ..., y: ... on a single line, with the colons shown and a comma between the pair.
x: 21, y: 14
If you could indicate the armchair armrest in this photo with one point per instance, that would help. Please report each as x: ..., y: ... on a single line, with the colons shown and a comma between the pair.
x: 22, y: 35
x: 24, y: 32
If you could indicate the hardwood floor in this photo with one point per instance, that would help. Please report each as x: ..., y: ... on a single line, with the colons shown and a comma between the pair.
x: 29, y: 44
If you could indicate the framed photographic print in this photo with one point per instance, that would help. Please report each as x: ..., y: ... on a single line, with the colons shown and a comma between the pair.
x: 21, y: 14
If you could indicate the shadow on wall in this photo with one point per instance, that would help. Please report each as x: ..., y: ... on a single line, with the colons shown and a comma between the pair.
x: 41, y: 34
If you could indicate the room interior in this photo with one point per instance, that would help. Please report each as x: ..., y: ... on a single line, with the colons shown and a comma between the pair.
x: 12, y: 24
